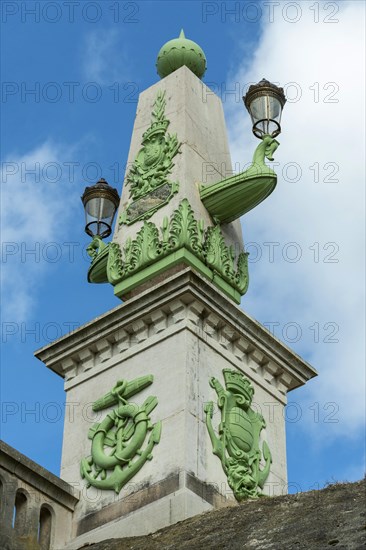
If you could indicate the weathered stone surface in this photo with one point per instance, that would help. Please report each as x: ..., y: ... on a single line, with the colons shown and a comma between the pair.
x: 36, y: 506
x: 333, y: 517
x: 183, y: 332
x: 196, y: 115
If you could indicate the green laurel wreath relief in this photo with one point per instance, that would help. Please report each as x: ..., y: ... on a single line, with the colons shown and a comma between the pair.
x: 148, y: 182
x: 123, y: 431
x: 237, y: 445
x: 181, y: 230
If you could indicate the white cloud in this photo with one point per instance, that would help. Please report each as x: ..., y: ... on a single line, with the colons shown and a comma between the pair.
x: 35, y: 211
x: 308, y: 212
x: 104, y: 59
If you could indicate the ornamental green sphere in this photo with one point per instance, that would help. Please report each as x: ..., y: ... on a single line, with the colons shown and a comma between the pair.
x: 179, y: 52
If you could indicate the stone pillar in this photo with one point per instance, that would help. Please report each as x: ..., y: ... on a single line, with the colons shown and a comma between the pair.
x: 175, y: 399
x: 195, y: 115
x: 178, y: 145
x: 8, y: 490
x: 183, y: 332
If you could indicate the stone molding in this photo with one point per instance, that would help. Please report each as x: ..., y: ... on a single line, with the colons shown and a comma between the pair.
x: 184, y: 301
x: 172, y: 484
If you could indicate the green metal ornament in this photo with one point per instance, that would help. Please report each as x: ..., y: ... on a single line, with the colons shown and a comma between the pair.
x: 233, y: 197
x: 147, y: 179
x: 95, y: 247
x: 124, y: 431
x: 178, y: 53
x: 237, y: 445
x: 181, y: 238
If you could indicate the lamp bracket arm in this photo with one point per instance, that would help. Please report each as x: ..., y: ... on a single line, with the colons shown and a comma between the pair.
x: 264, y: 150
x: 95, y: 247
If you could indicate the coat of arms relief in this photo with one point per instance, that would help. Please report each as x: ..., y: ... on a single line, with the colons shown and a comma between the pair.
x: 245, y: 463
x: 148, y: 178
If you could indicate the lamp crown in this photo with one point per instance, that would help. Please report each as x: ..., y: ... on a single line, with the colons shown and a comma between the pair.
x: 262, y: 88
x: 100, y: 189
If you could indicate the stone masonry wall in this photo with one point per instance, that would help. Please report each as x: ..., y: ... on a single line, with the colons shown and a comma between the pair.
x: 36, y: 506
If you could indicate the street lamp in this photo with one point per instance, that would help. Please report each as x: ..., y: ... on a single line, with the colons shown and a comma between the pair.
x: 236, y: 195
x: 100, y: 204
x: 265, y: 102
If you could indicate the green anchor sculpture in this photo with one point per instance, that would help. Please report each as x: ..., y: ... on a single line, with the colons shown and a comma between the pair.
x: 238, y: 443
x: 124, y: 430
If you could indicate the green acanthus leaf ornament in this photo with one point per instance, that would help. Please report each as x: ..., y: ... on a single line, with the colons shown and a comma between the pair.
x: 124, y: 432
x: 181, y: 232
x: 237, y: 445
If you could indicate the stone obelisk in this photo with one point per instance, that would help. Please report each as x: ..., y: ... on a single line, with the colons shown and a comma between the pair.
x: 177, y: 395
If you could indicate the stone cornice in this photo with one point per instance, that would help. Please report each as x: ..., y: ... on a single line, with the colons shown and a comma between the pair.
x: 185, y: 300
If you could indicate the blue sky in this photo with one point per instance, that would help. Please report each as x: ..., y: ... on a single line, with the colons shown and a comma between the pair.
x: 86, y: 65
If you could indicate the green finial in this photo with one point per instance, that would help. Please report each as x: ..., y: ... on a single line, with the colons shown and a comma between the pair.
x: 179, y: 52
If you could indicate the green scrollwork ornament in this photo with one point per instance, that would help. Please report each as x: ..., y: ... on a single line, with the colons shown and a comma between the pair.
x: 148, y: 181
x: 123, y: 431
x: 237, y: 445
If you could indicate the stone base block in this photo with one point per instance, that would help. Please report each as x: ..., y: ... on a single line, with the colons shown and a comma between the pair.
x: 182, y: 333
x: 174, y: 499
